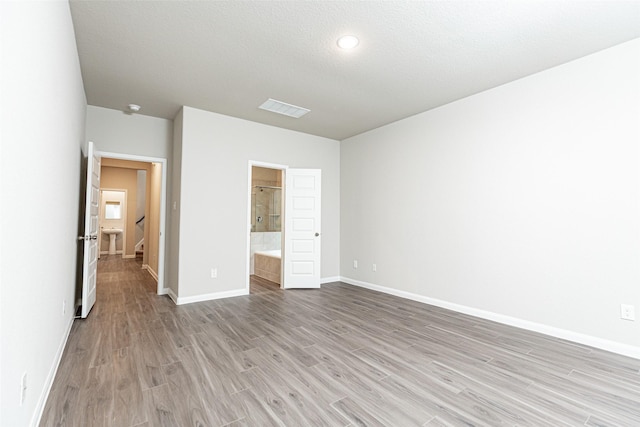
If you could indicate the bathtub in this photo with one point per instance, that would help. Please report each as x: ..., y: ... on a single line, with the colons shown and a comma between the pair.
x: 267, y: 264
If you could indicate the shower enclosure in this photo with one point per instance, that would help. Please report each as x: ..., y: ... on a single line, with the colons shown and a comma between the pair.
x: 266, y: 205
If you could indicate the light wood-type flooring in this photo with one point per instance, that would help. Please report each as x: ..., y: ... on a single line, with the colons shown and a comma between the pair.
x: 337, y: 356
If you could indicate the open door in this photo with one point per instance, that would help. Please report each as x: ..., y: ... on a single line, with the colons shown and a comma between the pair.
x: 302, y: 228
x: 90, y: 260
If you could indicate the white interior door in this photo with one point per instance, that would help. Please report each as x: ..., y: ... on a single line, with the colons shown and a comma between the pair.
x: 302, y: 228
x: 90, y: 261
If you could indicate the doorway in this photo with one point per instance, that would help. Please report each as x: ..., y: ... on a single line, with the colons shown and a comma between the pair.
x: 298, y: 258
x: 145, y: 181
x: 112, y: 221
x: 266, y: 207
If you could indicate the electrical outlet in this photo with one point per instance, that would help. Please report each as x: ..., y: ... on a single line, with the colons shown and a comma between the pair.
x: 355, y: 263
x: 627, y: 312
x: 23, y: 388
x: 64, y: 307
x: 374, y: 268
x: 214, y: 273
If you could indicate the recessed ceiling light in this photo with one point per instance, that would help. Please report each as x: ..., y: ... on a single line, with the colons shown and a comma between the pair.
x: 348, y: 42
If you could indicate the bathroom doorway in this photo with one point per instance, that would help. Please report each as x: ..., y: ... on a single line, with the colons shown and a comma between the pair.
x: 297, y: 260
x: 112, y: 220
x: 266, y: 207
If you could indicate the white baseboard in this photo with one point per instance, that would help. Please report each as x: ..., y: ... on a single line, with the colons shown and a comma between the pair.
x: 37, y: 414
x: 603, y: 344
x: 172, y: 295
x: 118, y: 252
x: 151, y: 272
x: 329, y: 279
x: 209, y: 297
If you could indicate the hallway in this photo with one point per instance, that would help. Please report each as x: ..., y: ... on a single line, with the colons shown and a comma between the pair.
x: 130, y: 343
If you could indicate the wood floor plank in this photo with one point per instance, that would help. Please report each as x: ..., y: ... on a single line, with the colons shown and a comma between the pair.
x: 148, y: 363
x: 290, y: 408
x: 217, y: 361
x: 356, y: 414
x: 306, y: 380
x: 161, y: 407
x: 102, y: 350
x: 97, y: 400
x: 128, y: 407
x: 219, y: 406
x: 302, y: 356
x: 190, y: 408
x: 258, y: 413
x: 165, y: 352
x: 337, y: 356
x: 65, y: 393
x: 437, y: 400
x: 81, y: 337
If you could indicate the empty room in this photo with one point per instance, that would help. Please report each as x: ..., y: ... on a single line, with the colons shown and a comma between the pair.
x: 304, y: 213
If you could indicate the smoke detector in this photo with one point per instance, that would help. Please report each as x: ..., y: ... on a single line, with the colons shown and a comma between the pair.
x: 134, y: 108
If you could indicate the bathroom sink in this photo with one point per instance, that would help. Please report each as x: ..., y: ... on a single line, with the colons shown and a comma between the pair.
x: 112, y: 230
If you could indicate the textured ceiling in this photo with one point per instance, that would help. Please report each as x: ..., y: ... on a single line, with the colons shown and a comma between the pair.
x: 230, y: 56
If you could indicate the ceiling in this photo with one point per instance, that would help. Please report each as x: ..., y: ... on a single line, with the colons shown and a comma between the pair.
x: 228, y: 57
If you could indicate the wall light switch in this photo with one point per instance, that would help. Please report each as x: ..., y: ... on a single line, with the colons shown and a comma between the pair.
x: 214, y: 273
x: 374, y: 268
x: 627, y: 312
x: 355, y: 263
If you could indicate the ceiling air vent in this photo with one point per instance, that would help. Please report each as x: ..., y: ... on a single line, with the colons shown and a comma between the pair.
x: 284, y: 108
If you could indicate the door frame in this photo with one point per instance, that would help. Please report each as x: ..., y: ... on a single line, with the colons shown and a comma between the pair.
x: 283, y: 169
x: 161, y: 290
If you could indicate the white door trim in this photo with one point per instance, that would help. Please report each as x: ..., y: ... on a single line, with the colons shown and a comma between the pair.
x: 161, y: 290
x: 257, y: 163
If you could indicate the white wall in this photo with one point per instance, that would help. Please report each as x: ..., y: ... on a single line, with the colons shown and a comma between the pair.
x: 117, y: 132
x: 173, y: 249
x: 520, y: 203
x: 216, y: 150
x: 43, y: 117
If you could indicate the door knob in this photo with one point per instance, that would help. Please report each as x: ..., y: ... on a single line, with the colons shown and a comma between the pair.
x: 317, y: 234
